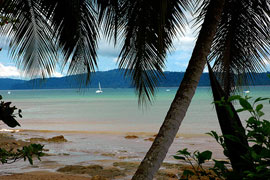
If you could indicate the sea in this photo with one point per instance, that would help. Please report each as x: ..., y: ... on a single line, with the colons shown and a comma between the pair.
x: 114, y: 110
x: 96, y: 124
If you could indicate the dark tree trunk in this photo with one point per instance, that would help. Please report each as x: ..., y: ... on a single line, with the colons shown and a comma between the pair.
x: 156, y: 154
x: 230, y: 126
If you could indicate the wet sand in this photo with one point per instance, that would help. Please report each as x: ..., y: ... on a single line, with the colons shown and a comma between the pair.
x: 43, y: 175
x: 96, y: 156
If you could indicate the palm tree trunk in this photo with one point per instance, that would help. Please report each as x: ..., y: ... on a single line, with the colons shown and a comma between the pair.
x: 156, y: 154
x: 231, y: 125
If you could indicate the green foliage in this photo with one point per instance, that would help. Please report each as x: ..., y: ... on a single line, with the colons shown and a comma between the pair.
x: 9, y: 109
x: 239, y: 50
x: 26, y: 153
x: 6, y: 20
x: 8, y: 116
x: 258, y: 136
x: 199, y: 158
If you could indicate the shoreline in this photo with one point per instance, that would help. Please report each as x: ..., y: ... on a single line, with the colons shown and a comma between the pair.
x: 123, y: 133
x: 114, y: 152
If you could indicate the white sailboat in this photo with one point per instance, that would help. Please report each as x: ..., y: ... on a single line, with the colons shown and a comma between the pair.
x: 99, y: 89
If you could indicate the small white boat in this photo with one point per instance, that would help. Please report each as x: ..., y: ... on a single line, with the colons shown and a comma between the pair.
x: 246, y: 91
x: 9, y: 92
x: 168, y: 90
x: 99, y: 89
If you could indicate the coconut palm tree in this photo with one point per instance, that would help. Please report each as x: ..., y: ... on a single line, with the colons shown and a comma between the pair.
x: 240, y: 48
x: 145, y: 29
x: 241, y: 45
x: 212, y: 12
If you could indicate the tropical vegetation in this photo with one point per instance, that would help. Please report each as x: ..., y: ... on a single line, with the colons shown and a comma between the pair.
x: 233, y: 34
x: 26, y: 153
x: 257, y: 131
x: 8, y: 156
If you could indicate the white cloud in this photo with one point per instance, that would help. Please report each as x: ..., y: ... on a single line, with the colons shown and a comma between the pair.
x: 9, y: 71
x: 115, y: 60
x: 205, y: 70
x: 107, y: 49
x: 267, y: 63
x: 57, y: 74
x: 185, y: 42
x: 4, y: 42
x: 181, y: 64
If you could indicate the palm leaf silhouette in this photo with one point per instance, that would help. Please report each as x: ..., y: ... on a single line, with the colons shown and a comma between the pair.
x: 146, y: 30
x: 241, y: 45
x: 31, y: 44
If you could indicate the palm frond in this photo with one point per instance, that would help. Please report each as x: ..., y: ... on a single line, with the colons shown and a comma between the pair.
x: 110, y: 15
x: 43, y: 25
x: 147, y: 29
x: 199, y: 11
x: 31, y: 44
x: 242, y: 43
x: 76, y: 31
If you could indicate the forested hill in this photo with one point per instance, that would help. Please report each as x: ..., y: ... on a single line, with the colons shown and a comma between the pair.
x: 108, y: 79
x: 6, y: 83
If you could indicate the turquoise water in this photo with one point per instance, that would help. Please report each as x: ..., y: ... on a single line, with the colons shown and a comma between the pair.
x: 115, y: 110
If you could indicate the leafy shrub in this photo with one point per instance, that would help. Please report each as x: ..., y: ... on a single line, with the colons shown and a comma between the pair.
x: 197, y: 169
x: 26, y: 153
x: 8, y: 115
x: 258, y: 136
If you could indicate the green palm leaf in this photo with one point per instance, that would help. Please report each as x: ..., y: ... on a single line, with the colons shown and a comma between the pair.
x: 242, y: 42
x: 31, y: 44
x: 76, y: 31
x: 146, y: 29
x: 110, y: 16
x: 43, y: 25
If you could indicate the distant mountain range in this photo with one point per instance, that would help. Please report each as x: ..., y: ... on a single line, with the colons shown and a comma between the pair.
x: 108, y: 79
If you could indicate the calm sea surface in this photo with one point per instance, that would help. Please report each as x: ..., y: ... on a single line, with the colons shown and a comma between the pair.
x: 115, y: 110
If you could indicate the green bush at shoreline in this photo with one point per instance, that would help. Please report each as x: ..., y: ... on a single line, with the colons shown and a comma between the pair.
x: 258, y: 135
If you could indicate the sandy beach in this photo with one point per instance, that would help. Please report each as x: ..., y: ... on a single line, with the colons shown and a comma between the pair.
x: 43, y: 175
x: 96, y: 156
